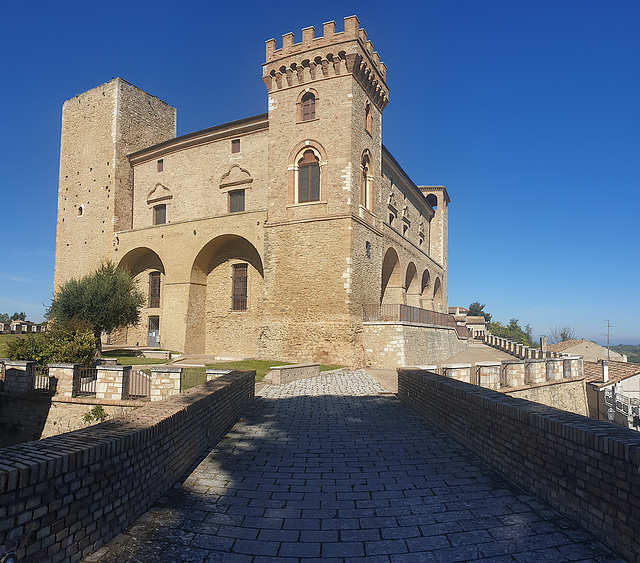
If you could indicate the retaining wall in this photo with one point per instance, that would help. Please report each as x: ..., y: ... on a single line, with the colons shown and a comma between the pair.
x: 584, y: 468
x: 63, y: 497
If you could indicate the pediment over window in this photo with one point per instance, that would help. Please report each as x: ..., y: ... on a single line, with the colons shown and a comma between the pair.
x: 235, y: 177
x: 391, y: 201
x: 159, y: 193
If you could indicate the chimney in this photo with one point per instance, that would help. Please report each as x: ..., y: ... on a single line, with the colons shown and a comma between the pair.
x: 605, y: 371
x: 543, y: 343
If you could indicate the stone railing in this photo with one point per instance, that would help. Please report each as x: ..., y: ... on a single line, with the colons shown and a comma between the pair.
x: 584, y: 468
x: 65, y: 496
x: 516, y: 349
x: 512, y: 374
x: 112, y: 382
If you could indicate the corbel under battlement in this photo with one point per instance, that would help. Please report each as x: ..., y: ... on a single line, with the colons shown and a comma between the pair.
x: 332, y: 54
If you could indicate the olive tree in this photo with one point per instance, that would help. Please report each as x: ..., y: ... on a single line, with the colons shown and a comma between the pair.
x: 107, y: 299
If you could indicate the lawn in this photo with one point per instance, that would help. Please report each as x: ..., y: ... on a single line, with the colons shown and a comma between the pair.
x: 127, y: 358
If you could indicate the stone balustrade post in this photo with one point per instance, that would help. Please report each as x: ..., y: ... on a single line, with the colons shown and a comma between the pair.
x: 110, y: 381
x: 554, y: 369
x: 461, y: 372
x: 535, y: 371
x: 165, y: 382
x: 514, y: 373
x: 18, y: 376
x: 65, y: 375
x: 488, y: 374
x: 213, y: 373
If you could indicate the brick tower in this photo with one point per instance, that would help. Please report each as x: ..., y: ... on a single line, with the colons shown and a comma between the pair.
x: 326, y: 97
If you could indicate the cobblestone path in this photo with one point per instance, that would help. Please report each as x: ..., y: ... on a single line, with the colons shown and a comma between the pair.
x: 331, y: 469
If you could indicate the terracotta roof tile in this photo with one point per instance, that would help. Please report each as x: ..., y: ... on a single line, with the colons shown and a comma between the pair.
x: 617, y: 372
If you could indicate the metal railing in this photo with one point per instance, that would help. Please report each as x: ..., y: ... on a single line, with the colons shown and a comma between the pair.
x: 137, y: 384
x: 84, y: 384
x: 409, y: 314
x: 41, y: 379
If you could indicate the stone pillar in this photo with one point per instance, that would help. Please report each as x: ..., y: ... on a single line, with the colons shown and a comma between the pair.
x: 64, y: 375
x: 514, y: 373
x: 213, y: 373
x: 461, y: 372
x: 535, y: 372
x: 110, y: 381
x: 543, y: 344
x: 165, y: 382
x: 554, y: 369
x: 18, y: 376
x: 488, y: 374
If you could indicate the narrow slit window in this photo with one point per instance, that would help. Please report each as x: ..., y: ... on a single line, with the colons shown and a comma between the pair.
x: 235, y: 145
x: 160, y: 165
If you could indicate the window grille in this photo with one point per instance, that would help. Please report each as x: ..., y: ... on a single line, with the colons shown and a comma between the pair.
x: 239, y: 295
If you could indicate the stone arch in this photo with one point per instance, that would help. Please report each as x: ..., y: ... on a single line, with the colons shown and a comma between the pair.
x: 391, y: 278
x: 432, y: 200
x: 412, y: 285
x: 213, y: 325
x: 158, y: 193
x: 425, y: 291
x: 146, y: 266
x: 437, y: 295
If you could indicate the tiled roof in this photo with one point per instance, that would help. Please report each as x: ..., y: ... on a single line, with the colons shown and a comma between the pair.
x: 562, y: 346
x: 617, y: 372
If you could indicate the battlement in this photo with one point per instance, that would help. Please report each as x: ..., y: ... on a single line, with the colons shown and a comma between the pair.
x: 331, y: 54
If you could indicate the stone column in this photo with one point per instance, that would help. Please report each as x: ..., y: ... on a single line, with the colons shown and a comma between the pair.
x: 213, y: 373
x: 110, y: 381
x: 64, y: 375
x: 554, y: 369
x: 535, y: 372
x: 488, y: 374
x: 165, y: 382
x: 514, y: 373
x: 461, y: 372
x: 18, y: 376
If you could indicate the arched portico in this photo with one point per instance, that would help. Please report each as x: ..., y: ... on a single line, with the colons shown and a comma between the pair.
x: 391, y: 278
x: 225, y: 298
x: 412, y: 286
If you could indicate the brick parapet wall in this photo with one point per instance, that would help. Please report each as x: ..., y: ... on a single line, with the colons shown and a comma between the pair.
x: 63, y: 497
x: 584, y: 468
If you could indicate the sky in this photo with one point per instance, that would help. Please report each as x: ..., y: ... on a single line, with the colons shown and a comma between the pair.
x: 527, y: 112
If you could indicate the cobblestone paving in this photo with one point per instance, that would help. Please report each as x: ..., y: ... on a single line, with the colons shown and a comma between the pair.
x: 329, y: 469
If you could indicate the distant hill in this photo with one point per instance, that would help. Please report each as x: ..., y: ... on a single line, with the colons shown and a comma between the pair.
x: 632, y: 352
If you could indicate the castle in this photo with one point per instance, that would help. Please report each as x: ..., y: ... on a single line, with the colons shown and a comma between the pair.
x: 264, y: 237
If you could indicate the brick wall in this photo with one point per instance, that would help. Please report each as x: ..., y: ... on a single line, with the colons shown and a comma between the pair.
x: 584, y: 468
x: 63, y: 497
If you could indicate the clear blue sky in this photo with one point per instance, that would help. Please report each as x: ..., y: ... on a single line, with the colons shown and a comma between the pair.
x: 528, y: 112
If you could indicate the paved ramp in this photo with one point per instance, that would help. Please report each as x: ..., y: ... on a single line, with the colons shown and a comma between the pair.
x: 331, y: 469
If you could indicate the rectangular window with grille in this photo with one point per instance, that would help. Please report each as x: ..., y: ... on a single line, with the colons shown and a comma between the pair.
x: 239, y: 297
x: 154, y: 289
x: 159, y: 214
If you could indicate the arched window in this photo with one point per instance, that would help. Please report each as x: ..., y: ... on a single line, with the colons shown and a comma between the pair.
x: 308, y: 177
x: 308, y: 107
x: 368, y: 117
x: 365, y: 184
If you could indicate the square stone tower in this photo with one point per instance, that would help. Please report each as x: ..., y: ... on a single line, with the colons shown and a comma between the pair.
x: 99, y: 128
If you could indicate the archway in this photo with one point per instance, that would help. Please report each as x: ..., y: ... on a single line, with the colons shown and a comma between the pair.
x: 391, y: 279
x: 225, y: 298
x: 148, y: 270
x: 425, y: 291
x: 412, y: 285
x: 437, y: 295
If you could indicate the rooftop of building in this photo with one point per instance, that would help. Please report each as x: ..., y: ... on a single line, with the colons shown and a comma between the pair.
x: 617, y: 372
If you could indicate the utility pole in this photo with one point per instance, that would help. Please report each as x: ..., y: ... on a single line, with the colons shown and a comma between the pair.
x: 608, y: 332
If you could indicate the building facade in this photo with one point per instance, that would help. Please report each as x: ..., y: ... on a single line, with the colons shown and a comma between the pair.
x: 263, y: 237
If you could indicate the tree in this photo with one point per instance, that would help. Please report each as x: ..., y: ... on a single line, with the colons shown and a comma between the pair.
x: 476, y: 310
x: 107, y: 299
x: 561, y: 334
x: 22, y: 316
x: 512, y: 332
x: 65, y: 342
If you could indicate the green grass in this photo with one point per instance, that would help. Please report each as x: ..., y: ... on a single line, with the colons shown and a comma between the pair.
x: 4, y: 342
x: 127, y: 358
